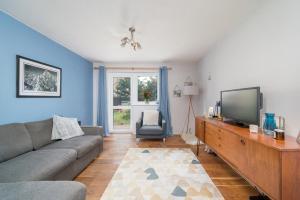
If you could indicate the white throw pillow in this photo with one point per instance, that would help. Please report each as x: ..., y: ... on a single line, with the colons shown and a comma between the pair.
x: 65, y: 128
x: 151, y: 117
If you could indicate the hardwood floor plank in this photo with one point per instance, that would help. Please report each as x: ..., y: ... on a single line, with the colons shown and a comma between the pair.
x: 99, y: 173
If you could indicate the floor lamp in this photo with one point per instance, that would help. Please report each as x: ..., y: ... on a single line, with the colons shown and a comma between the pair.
x: 190, y: 91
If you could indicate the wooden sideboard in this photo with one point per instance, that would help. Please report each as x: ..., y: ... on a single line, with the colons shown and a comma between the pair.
x: 273, y: 166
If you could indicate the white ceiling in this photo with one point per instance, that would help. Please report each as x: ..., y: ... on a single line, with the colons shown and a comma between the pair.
x: 168, y: 30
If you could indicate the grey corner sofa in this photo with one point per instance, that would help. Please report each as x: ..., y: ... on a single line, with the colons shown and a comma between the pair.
x: 151, y: 132
x: 32, y: 166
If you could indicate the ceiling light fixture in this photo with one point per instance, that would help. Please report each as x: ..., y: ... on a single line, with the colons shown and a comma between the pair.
x: 134, y: 44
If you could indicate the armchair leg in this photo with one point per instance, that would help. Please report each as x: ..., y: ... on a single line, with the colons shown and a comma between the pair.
x: 164, y: 140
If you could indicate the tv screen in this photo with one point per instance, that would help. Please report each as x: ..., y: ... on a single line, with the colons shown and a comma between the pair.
x: 241, y: 105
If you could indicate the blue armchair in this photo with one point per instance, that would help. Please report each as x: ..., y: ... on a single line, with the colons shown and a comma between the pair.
x: 153, y: 131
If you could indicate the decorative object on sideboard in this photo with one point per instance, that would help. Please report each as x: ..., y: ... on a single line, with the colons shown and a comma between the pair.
x: 278, y: 134
x: 211, y: 112
x: 281, y: 122
x: 253, y: 128
x: 37, y: 79
x: 269, y: 123
x: 272, y: 122
x: 131, y: 40
x: 217, y: 110
x: 177, y: 91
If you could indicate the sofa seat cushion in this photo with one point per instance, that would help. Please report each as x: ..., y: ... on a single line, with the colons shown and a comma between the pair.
x: 36, y: 165
x: 82, y: 144
x: 151, y: 130
x: 45, y: 190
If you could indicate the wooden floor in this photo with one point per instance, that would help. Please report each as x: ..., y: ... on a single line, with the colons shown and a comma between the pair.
x: 99, y: 173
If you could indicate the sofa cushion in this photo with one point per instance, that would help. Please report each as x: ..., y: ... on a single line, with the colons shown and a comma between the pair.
x: 14, y: 140
x: 36, y: 165
x: 45, y: 190
x: 65, y: 128
x: 82, y: 144
x: 151, y: 130
x: 40, y: 132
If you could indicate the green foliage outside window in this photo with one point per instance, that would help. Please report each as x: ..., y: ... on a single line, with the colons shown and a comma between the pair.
x: 147, y: 87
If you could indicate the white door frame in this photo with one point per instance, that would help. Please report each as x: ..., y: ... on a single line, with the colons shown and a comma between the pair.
x: 133, y: 97
x: 110, y: 76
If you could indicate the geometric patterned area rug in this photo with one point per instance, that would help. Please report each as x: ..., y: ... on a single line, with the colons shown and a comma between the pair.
x: 161, y: 174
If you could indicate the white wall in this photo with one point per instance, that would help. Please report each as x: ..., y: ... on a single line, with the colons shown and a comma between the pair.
x: 264, y: 51
x: 178, y: 106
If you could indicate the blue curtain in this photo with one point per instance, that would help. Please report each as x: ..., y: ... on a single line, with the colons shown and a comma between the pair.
x: 164, y: 105
x: 102, y: 118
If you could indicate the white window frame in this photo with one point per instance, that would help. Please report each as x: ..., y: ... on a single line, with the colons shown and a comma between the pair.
x: 135, y: 94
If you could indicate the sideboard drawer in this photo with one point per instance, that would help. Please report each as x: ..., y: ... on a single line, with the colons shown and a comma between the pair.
x: 213, y: 128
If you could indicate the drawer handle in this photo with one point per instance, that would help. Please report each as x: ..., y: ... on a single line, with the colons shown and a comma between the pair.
x: 243, y: 141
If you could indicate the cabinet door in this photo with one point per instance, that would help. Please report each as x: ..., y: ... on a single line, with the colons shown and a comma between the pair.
x: 200, y: 129
x: 264, y: 163
x: 234, y: 149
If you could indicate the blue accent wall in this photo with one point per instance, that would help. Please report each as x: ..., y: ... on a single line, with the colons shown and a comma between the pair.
x: 77, y: 76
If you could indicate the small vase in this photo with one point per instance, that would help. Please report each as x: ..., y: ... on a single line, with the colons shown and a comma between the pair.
x: 146, y: 101
x: 269, y: 123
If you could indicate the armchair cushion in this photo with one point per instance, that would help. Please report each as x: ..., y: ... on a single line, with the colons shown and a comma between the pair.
x: 151, y: 117
x: 151, y: 130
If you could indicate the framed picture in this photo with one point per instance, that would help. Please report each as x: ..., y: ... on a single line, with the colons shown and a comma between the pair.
x: 37, y: 79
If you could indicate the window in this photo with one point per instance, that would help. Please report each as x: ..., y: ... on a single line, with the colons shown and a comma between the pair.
x: 147, y: 88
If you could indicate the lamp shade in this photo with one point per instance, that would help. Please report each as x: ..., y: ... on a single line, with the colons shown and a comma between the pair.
x: 190, y: 90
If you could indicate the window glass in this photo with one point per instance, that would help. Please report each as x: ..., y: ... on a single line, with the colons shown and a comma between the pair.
x: 121, y: 118
x: 121, y: 91
x: 147, y: 88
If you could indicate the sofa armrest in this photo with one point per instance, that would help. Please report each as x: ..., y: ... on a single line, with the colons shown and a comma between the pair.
x: 138, y: 125
x: 92, y: 130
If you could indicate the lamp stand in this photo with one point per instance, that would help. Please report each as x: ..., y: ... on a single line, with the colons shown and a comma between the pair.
x: 189, y: 138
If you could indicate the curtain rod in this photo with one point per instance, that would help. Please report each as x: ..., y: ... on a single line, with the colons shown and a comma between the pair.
x: 134, y: 68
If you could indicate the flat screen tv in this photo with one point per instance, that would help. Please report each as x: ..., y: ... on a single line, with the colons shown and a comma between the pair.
x: 241, y: 106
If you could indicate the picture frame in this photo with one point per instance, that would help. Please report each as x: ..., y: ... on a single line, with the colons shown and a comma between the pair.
x: 37, y: 79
